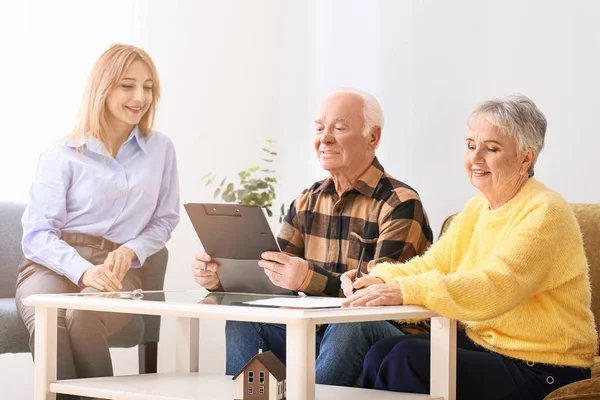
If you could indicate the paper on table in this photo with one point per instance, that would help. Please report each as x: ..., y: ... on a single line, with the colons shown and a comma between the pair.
x: 299, y: 302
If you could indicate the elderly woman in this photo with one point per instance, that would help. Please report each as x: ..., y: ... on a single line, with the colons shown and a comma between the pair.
x: 511, y: 268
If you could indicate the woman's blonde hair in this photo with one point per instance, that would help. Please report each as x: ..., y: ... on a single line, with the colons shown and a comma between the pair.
x: 106, y: 75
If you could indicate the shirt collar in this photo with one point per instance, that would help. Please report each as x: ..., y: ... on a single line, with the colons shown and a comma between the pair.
x: 94, y: 145
x: 139, y: 137
x: 88, y: 142
x: 365, y: 185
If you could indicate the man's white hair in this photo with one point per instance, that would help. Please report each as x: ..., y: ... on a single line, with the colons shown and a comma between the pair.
x: 372, y: 112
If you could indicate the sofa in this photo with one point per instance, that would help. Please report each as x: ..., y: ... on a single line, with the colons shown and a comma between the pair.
x: 14, y: 337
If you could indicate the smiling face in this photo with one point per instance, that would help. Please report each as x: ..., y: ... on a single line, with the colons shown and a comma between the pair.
x: 494, y: 163
x: 339, y: 143
x: 131, y: 98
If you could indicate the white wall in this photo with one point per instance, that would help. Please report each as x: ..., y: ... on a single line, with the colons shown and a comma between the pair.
x: 430, y: 63
x: 235, y: 71
x: 45, y: 60
x: 442, y: 58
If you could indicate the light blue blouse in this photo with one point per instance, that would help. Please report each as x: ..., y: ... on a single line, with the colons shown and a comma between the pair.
x: 132, y: 200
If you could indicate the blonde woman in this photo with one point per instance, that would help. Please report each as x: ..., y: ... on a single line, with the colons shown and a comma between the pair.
x: 102, y: 202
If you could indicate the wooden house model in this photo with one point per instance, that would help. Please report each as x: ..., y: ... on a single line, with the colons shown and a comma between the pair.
x: 262, y: 378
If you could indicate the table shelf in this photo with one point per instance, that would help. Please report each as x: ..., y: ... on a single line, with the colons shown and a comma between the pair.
x: 195, y: 386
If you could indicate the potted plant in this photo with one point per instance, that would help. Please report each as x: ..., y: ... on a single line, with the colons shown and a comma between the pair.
x: 256, y: 186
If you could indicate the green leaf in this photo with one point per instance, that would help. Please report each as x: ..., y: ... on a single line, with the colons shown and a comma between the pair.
x: 217, y: 192
x: 263, y: 197
x: 266, y: 160
x: 228, y: 197
x: 223, y: 181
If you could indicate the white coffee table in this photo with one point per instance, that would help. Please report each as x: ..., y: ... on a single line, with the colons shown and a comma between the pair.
x: 187, y: 383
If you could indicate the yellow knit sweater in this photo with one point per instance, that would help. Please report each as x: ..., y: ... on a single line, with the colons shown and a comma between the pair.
x: 516, y: 276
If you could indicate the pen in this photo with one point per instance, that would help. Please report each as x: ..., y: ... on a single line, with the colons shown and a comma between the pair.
x: 360, y: 260
x: 204, y: 266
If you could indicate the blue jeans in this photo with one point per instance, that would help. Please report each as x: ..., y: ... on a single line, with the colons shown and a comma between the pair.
x: 341, y: 348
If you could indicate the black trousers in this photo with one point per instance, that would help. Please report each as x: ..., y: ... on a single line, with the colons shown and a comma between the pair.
x: 401, y: 364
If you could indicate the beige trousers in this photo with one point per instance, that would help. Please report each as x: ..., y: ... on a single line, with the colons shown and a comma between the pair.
x: 82, y: 347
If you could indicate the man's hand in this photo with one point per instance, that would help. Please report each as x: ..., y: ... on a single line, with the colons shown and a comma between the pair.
x: 376, y: 295
x: 119, y: 261
x: 283, y: 270
x: 100, y: 277
x: 205, y: 277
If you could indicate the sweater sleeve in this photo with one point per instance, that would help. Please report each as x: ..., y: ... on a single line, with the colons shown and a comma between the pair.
x: 512, y: 272
x: 437, y: 257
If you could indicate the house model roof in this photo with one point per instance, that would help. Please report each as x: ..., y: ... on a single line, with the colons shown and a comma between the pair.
x: 271, y: 363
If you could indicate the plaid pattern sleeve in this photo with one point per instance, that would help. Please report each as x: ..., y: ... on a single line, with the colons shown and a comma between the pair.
x: 380, y: 214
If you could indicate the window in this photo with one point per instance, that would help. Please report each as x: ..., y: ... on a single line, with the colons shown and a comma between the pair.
x: 284, y: 388
x: 261, y: 390
x: 261, y: 377
x: 279, y: 389
x: 249, y: 389
x: 250, y: 376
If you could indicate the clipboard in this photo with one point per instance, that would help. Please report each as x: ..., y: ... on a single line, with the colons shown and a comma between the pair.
x: 235, y: 236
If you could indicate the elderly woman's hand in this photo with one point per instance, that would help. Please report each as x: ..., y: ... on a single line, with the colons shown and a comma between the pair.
x: 375, y: 295
x: 351, y: 284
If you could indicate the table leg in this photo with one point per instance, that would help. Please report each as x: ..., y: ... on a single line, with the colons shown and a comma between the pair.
x: 443, y: 358
x: 45, y: 352
x: 187, y: 340
x: 300, y: 364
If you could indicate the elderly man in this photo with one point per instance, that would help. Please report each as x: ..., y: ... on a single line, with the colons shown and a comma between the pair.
x: 359, y: 206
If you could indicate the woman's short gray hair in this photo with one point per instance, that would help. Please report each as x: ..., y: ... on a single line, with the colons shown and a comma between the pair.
x: 517, y: 116
x: 372, y: 112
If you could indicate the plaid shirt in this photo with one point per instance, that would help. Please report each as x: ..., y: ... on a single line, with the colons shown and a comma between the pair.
x: 380, y: 213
